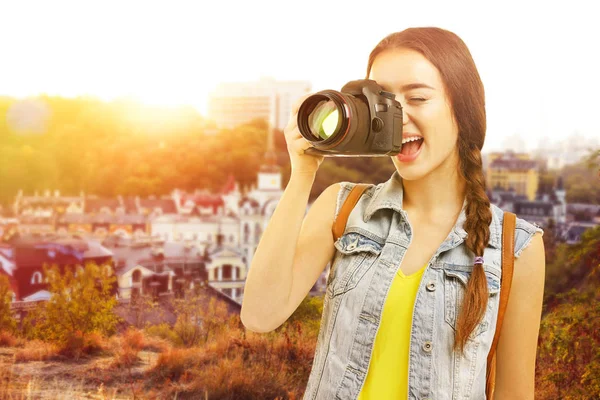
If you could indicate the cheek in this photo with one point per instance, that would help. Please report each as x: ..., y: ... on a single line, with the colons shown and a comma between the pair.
x: 437, y: 123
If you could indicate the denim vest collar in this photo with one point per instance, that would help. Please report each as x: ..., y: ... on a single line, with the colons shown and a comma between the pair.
x: 390, y: 195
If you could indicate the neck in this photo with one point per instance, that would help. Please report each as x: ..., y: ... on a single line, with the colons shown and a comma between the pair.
x: 437, y: 196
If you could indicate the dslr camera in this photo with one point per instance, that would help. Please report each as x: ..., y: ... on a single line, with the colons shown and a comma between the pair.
x: 360, y: 120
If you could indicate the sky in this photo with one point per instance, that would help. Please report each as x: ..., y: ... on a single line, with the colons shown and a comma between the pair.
x: 538, y: 60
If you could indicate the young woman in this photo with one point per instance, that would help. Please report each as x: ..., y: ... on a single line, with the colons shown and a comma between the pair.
x: 412, y: 297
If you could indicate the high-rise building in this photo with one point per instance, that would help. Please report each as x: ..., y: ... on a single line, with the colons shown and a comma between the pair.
x: 234, y: 103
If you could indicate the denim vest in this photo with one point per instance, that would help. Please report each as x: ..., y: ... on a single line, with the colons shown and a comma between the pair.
x: 368, y: 256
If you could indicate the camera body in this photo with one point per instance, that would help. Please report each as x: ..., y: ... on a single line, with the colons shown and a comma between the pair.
x: 369, y: 121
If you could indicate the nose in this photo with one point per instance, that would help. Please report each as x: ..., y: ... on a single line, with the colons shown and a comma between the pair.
x: 405, y: 118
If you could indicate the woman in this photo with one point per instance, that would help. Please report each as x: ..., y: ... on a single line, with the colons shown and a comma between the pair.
x: 413, y: 295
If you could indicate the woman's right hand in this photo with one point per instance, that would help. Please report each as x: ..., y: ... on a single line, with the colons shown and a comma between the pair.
x: 302, y: 163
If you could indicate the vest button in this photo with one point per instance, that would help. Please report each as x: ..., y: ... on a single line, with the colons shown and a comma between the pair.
x: 427, y: 346
x: 352, y: 246
x: 431, y: 286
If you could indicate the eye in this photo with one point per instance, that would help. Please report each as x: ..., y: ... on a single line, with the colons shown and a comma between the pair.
x: 417, y: 99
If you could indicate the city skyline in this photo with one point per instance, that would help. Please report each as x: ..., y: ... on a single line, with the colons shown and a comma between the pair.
x: 533, y: 60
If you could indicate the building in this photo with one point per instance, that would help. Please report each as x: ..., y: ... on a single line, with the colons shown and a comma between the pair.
x: 566, y: 150
x: 235, y: 103
x: 147, y: 265
x: 23, y: 257
x: 514, y: 171
x: 232, y: 219
x: 141, y: 233
x: 574, y: 230
x: 550, y: 203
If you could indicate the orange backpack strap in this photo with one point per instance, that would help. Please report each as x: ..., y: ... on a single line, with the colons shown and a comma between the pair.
x: 508, y: 259
x: 339, y: 225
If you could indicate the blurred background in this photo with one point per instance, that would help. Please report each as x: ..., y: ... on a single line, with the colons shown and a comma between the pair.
x: 147, y: 138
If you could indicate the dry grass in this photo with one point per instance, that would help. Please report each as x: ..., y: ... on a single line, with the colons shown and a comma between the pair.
x: 37, y: 350
x: 234, y: 364
x: 126, y: 348
x: 238, y: 365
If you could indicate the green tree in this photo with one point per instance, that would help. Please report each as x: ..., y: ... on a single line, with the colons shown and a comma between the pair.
x: 569, y: 350
x: 582, y: 180
x: 309, y: 314
x: 7, y: 321
x: 80, y: 303
x: 569, y: 353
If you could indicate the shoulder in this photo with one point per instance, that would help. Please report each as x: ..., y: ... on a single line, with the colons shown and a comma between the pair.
x: 346, y: 187
x: 524, y: 230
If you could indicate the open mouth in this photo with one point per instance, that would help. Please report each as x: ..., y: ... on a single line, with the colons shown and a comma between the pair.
x: 411, y: 147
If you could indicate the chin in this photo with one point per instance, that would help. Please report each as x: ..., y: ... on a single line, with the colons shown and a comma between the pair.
x: 412, y: 172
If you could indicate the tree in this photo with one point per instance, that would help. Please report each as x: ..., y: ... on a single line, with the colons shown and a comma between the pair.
x: 199, y: 316
x: 569, y: 350
x: 141, y: 307
x: 7, y: 321
x: 80, y: 303
x: 582, y: 180
x: 308, y: 313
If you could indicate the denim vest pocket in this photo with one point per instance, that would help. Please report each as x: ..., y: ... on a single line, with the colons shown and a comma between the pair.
x: 356, y: 253
x: 455, y: 285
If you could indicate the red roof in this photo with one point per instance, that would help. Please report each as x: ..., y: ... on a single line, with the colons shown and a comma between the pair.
x: 229, y: 185
x: 203, y: 199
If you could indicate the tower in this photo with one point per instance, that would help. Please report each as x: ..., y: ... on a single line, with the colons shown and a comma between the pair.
x: 269, y: 175
x: 561, y: 194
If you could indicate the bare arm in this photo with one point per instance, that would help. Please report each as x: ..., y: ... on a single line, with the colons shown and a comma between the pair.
x: 517, y: 344
x: 291, y: 254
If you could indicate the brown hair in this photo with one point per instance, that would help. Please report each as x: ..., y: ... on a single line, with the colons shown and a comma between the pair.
x: 449, y: 54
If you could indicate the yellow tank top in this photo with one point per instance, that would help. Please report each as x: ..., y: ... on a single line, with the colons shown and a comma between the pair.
x: 387, y: 377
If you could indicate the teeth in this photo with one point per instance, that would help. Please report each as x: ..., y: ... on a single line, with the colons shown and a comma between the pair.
x: 411, y: 139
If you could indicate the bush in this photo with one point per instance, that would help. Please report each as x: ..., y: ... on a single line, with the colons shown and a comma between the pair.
x: 134, y: 339
x: 36, y: 350
x: 7, y: 339
x: 80, y: 344
x: 164, y: 331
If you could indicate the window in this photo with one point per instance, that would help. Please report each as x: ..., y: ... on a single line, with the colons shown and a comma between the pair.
x: 36, y: 278
x: 257, y: 231
x: 246, y: 233
x: 136, y: 276
x: 227, y: 271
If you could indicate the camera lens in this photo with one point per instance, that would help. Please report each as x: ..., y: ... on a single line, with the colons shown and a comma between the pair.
x: 321, y: 117
x: 331, y: 119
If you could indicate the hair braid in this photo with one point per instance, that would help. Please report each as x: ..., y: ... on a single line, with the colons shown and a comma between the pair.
x: 477, y: 226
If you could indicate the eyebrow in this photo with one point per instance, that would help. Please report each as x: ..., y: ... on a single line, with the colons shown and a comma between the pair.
x: 411, y: 86
x: 407, y: 87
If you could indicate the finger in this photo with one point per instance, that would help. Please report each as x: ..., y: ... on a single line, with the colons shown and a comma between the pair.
x: 292, y: 129
x: 299, y: 102
x: 292, y: 123
x: 301, y: 143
